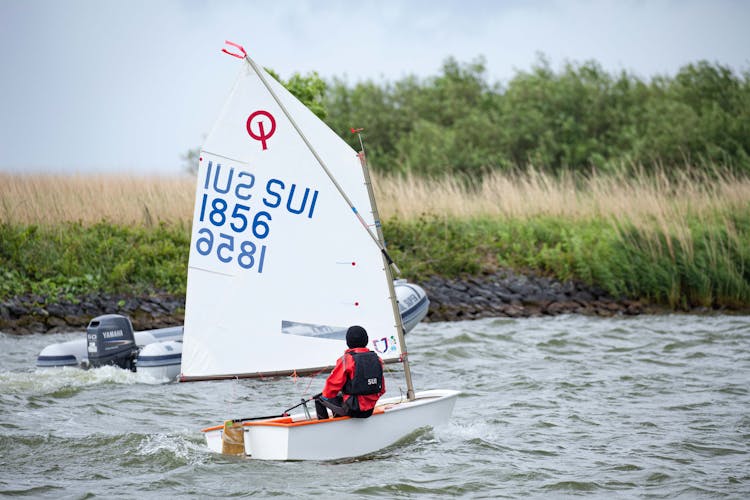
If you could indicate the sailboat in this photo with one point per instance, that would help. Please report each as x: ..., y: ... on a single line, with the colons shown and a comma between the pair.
x: 283, y: 205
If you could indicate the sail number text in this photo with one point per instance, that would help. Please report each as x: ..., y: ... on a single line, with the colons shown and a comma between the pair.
x: 230, y: 228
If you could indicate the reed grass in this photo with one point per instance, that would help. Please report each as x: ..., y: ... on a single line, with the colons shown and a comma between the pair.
x: 47, y: 199
x: 647, y: 199
x: 651, y: 201
x: 681, y: 239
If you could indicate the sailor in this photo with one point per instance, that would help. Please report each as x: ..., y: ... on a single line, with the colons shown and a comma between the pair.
x: 356, y: 382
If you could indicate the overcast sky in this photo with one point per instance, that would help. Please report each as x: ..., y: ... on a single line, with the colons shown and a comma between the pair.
x: 129, y: 86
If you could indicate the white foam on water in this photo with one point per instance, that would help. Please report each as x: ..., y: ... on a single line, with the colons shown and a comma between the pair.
x: 50, y: 380
x: 174, y: 445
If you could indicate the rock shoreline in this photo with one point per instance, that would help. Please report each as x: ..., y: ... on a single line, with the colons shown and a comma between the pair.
x: 508, y: 294
x: 504, y: 294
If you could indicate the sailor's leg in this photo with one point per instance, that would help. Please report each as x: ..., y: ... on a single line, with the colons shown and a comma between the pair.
x: 321, y: 410
x: 334, y: 404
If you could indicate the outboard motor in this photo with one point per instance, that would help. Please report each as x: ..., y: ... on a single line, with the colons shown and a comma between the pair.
x: 111, y: 342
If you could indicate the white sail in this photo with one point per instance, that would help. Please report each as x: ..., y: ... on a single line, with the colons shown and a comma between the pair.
x: 275, y: 244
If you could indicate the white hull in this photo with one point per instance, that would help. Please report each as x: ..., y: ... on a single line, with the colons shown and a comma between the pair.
x: 159, y: 356
x: 297, y: 438
x: 160, y: 360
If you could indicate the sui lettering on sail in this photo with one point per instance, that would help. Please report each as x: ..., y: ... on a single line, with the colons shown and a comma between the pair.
x: 226, y: 215
x: 296, y: 203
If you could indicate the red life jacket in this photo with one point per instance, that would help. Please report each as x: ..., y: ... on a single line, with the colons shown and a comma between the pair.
x: 344, y: 378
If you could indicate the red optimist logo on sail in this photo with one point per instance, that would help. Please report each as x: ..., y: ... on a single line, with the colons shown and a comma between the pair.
x: 261, y: 125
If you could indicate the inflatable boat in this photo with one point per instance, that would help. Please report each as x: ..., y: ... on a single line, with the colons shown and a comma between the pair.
x: 110, y: 340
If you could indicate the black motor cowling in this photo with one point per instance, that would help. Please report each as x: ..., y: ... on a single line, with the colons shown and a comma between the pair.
x: 111, y: 342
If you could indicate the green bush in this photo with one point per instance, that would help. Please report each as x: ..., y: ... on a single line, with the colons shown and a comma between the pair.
x: 709, y: 268
x: 577, y: 118
x: 72, y: 259
x: 712, y: 271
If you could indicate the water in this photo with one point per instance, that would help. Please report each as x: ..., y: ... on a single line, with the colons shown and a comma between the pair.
x: 646, y: 407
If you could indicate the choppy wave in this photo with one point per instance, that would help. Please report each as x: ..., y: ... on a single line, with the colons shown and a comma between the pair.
x: 68, y: 380
x: 551, y: 407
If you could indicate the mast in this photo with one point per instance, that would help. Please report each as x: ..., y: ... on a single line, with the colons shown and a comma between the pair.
x: 378, y: 239
x: 379, y: 229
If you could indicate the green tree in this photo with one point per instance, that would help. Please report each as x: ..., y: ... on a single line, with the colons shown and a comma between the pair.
x: 577, y: 118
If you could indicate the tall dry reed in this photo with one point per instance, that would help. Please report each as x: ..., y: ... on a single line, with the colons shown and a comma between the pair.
x: 651, y: 202
x: 644, y: 197
x: 48, y: 199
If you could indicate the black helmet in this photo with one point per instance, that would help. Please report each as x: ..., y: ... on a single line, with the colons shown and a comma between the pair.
x: 356, y: 336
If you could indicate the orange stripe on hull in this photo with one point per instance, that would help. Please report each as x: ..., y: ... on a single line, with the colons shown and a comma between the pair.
x: 287, y: 421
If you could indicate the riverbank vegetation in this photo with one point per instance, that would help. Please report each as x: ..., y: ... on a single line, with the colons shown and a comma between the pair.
x: 681, y: 241
x: 637, y: 186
